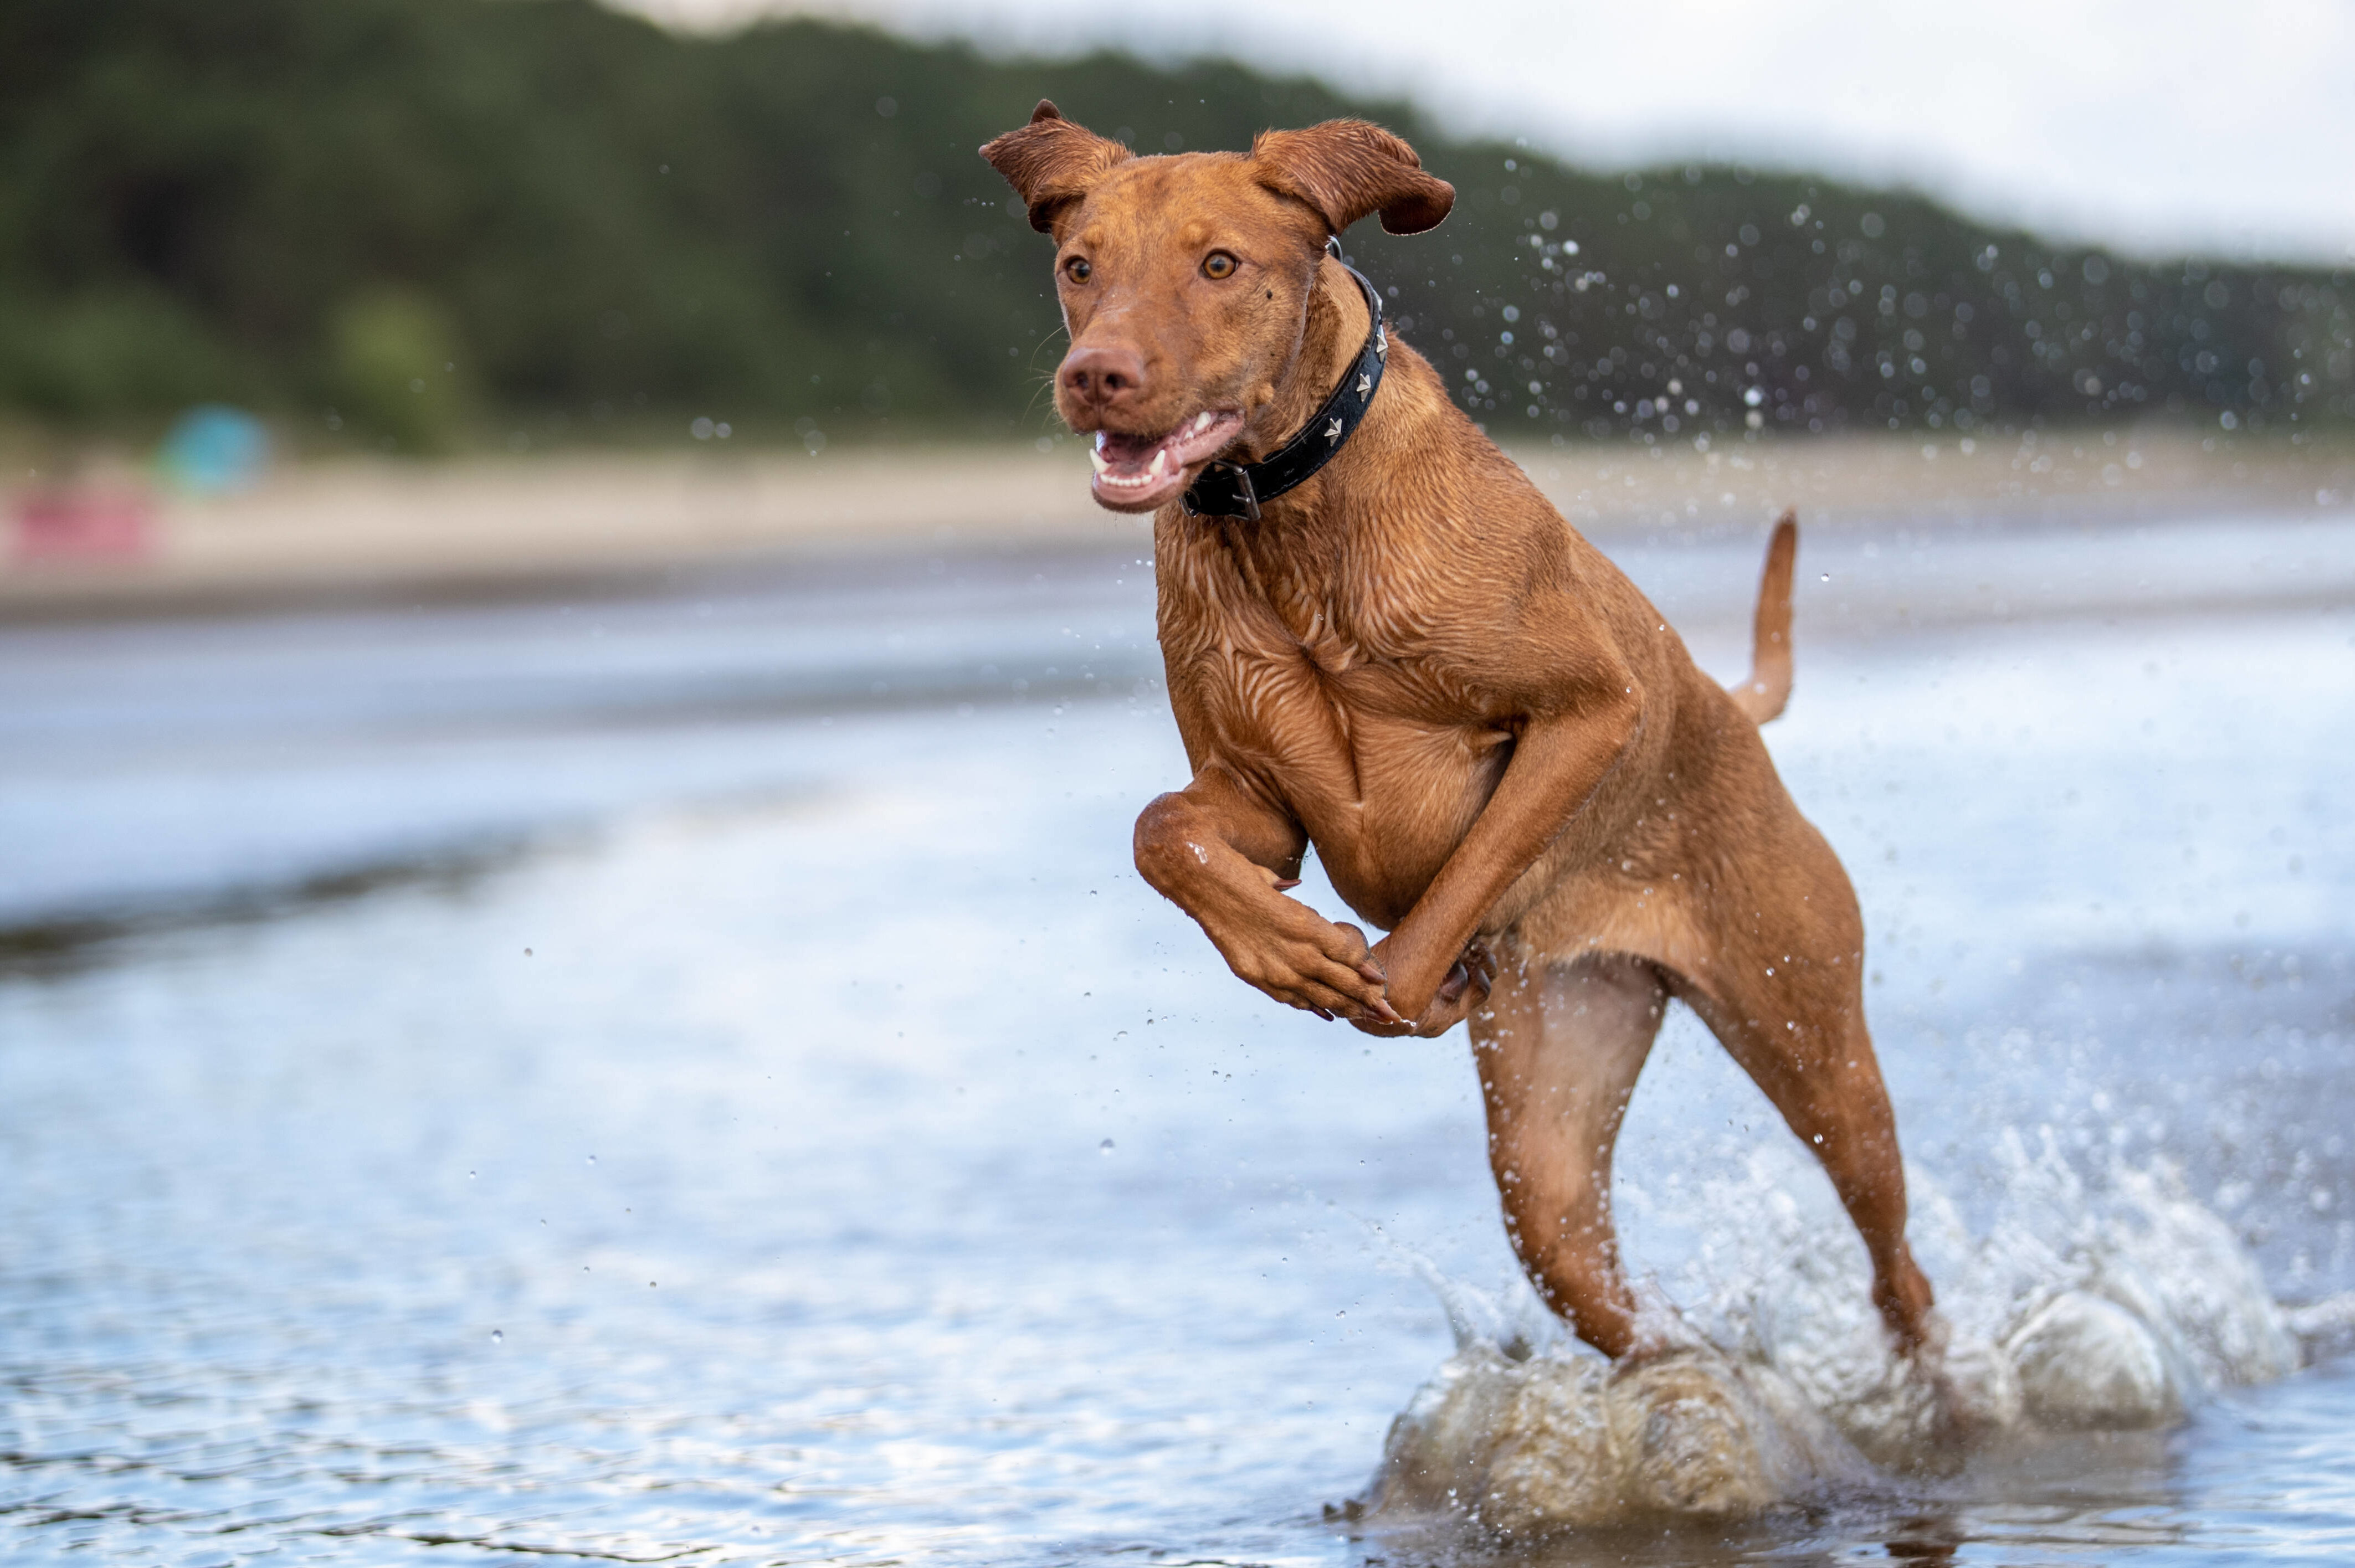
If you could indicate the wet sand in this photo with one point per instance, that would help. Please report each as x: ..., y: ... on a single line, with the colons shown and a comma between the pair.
x: 357, y: 526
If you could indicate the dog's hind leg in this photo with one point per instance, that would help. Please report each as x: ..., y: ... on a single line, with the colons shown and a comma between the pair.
x: 1557, y: 1047
x: 1786, y: 998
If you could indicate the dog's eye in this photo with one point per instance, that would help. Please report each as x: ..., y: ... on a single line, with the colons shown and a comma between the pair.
x: 1077, y: 269
x: 1219, y: 264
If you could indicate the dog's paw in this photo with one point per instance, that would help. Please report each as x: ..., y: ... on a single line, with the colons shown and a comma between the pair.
x: 1303, y: 961
x: 1463, y: 991
x: 1968, y: 1393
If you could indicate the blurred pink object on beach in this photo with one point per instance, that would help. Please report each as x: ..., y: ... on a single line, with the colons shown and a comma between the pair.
x: 69, y: 522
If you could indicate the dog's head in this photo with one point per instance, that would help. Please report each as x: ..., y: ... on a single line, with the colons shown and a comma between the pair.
x: 1185, y: 281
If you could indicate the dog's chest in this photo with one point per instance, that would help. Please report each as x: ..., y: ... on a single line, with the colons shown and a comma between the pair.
x: 1297, y: 666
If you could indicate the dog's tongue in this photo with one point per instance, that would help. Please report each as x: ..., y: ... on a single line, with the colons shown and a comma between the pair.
x: 1137, y: 469
x: 1127, y: 457
x: 1134, y: 471
x: 1131, y: 451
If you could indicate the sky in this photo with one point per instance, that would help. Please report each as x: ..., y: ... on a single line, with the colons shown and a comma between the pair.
x: 2154, y: 126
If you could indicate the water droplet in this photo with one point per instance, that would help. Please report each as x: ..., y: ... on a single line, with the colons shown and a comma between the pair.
x: 497, y: 1338
x: 592, y: 1160
x: 1827, y: 577
x: 470, y: 1175
x: 1105, y: 1147
x: 526, y: 952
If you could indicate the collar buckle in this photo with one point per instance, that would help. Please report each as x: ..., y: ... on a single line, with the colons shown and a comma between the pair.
x: 1202, y: 500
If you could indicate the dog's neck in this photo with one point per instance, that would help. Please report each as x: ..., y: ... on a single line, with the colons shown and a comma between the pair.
x: 1333, y: 330
x: 1403, y: 416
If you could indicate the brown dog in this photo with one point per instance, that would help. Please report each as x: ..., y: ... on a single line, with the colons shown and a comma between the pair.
x: 1502, y: 752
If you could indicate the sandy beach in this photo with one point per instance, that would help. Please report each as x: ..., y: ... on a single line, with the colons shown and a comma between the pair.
x: 341, y: 527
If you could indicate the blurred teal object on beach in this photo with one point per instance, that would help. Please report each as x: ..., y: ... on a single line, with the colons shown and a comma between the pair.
x: 212, y: 450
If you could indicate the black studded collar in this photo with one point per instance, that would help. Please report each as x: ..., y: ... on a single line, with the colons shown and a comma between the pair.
x: 1236, y: 489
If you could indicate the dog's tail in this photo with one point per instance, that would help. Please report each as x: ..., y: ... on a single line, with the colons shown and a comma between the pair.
x: 1762, y: 696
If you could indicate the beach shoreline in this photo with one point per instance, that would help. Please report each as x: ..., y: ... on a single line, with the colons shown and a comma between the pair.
x: 336, y: 529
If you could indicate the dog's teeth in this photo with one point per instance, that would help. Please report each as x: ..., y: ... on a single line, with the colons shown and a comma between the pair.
x: 1160, y: 462
x: 1097, y: 457
x: 1202, y: 421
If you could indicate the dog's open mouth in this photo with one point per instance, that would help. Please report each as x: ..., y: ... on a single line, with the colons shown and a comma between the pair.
x: 1136, y: 473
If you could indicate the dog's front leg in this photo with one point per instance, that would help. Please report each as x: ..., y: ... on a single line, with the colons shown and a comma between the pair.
x: 1557, y: 762
x: 1225, y: 858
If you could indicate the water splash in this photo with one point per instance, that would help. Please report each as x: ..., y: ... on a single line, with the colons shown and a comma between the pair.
x: 2112, y: 1303
x: 1565, y: 1438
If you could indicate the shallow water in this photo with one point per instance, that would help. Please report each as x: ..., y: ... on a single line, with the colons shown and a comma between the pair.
x: 586, y: 1082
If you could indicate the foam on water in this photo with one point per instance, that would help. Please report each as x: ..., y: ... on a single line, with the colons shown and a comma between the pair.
x: 2075, y: 1305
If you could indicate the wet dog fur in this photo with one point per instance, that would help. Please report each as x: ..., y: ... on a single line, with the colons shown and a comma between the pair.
x: 1502, y: 752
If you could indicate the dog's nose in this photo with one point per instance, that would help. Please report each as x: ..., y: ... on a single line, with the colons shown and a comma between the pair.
x: 1102, y: 378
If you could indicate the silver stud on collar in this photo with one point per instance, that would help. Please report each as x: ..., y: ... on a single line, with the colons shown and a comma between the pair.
x: 1333, y: 431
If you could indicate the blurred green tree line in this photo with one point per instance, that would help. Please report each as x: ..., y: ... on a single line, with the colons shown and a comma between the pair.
x: 434, y: 222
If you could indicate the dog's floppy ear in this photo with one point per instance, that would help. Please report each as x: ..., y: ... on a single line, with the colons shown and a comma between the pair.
x: 1348, y: 168
x: 1050, y: 162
